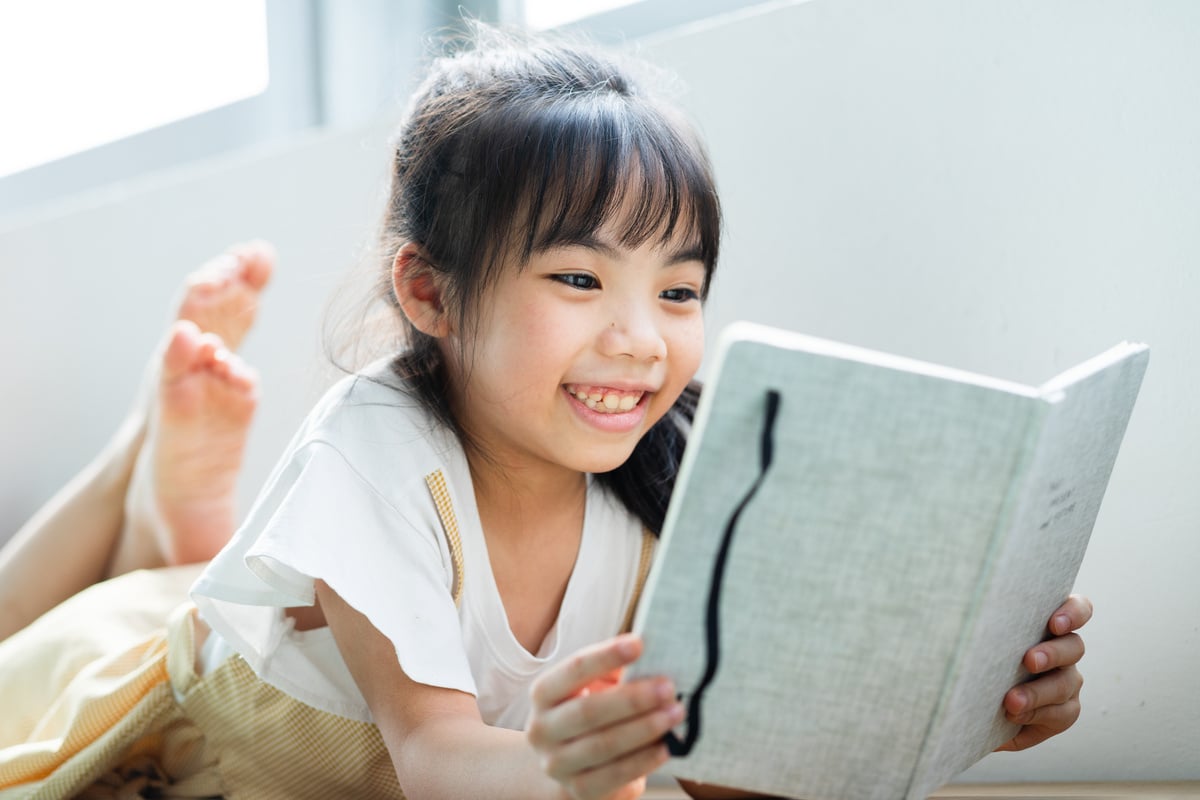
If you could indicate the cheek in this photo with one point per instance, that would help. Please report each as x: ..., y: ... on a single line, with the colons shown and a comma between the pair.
x: 528, y: 346
x: 687, y: 349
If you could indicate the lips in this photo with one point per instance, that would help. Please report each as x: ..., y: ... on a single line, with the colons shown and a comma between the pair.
x: 605, y: 399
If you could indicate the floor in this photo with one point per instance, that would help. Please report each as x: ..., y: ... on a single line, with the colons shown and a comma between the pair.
x: 1008, y: 791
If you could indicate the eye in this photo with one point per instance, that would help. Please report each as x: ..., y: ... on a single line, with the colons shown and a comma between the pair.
x: 681, y: 294
x: 577, y: 280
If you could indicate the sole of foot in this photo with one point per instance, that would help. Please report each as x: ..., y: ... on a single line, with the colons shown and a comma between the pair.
x: 197, y: 436
x: 222, y: 296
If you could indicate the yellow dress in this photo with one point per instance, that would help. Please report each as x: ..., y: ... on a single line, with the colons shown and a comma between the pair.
x: 99, y: 701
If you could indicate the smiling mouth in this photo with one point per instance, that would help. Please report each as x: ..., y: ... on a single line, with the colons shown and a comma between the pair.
x: 605, y: 400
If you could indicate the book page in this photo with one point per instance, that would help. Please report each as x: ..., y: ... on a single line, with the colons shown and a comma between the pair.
x: 1037, y: 560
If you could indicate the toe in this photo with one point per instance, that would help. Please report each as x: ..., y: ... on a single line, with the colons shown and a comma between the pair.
x: 240, y: 374
x: 215, y: 272
x: 184, y: 345
x: 210, y: 345
x: 257, y: 261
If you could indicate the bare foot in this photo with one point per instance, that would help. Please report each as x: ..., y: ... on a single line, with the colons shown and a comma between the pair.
x: 181, y: 503
x: 221, y: 296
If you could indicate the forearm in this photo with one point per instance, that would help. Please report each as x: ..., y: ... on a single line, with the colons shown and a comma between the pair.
x: 462, y: 759
x: 440, y: 747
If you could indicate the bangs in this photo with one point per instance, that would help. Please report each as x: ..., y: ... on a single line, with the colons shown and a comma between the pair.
x: 605, y: 165
x: 575, y: 165
x: 510, y: 152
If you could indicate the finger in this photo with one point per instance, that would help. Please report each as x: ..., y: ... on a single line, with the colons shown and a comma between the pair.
x: 1071, y: 615
x: 1062, y: 651
x: 599, y: 710
x: 611, y: 744
x: 1050, y: 689
x: 605, y: 780
x: 565, y: 680
x: 1051, y: 721
x: 1057, y: 717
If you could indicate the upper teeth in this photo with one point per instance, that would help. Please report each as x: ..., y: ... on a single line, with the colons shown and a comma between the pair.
x: 607, y: 401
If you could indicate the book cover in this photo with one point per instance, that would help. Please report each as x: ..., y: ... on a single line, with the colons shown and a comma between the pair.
x: 859, y: 550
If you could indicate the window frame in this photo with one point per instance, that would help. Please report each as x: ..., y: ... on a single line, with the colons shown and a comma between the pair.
x: 641, y: 18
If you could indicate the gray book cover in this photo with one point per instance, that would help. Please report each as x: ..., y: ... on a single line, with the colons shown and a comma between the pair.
x: 879, y: 580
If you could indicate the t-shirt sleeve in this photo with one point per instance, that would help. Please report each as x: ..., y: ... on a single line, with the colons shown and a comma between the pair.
x: 382, y: 554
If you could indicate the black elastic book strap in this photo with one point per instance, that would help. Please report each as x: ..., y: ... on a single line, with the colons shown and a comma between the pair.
x: 681, y: 747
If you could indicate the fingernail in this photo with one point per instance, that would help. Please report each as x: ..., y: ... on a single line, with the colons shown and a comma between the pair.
x: 675, y: 713
x: 626, y: 648
x: 1040, y: 660
x: 1063, y: 623
x: 1022, y: 700
x: 664, y: 690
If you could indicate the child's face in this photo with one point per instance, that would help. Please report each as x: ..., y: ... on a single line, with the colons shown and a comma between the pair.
x: 622, y: 327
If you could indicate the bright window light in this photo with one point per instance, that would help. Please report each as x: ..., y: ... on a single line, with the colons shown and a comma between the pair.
x: 75, y: 74
x: 542, y: 14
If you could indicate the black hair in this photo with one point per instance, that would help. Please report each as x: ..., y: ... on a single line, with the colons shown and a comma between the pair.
x: 515, y: 144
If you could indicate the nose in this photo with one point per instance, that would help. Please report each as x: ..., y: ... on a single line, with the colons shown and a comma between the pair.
x: 634, y: 331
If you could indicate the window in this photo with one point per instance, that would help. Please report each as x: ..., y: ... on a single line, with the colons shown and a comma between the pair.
x: 93, y: 93
x: 78, y: 74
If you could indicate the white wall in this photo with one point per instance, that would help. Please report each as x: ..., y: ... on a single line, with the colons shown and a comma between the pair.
x: 1007, y: 186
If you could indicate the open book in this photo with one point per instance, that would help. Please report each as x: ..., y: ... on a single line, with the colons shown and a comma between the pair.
x: 858, y: 552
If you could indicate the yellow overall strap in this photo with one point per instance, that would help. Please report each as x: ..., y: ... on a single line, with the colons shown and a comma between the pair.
x: 644, y: 562
x: 436, y: 482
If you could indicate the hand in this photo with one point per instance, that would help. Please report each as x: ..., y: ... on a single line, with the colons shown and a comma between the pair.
x: 596, y: 736
x: 1047, y: 705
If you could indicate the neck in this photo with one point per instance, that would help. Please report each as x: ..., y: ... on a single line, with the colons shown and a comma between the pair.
x: 524, y: 492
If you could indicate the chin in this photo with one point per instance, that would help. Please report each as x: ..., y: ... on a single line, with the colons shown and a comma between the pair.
x: 603, y: 459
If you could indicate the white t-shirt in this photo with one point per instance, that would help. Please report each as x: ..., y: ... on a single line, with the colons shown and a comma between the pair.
x: 348, y: 504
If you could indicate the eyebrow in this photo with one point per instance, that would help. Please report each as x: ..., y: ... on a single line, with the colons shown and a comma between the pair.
x: 690, y: 252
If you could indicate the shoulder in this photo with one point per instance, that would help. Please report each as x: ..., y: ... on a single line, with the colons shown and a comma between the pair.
x: 372, y: 400
x: 373, y: 421
x: 354, y: 476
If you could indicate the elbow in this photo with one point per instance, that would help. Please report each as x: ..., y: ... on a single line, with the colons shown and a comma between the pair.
x: 423, y: 765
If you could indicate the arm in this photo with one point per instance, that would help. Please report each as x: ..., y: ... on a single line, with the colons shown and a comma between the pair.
x: 584, y: 744
x: 1048, y: 704
x: 439, y: 745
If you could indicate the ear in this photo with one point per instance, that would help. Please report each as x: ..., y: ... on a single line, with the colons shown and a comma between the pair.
x: 419, y: 291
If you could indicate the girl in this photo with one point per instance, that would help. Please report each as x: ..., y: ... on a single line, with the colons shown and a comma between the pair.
x: 430, y: 589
